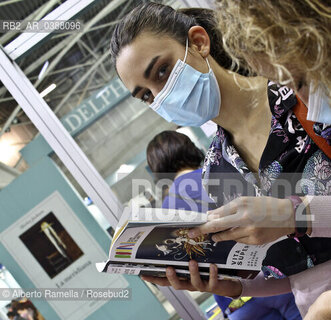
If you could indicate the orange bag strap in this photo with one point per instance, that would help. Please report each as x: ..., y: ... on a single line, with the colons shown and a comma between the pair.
x: 300, y: 111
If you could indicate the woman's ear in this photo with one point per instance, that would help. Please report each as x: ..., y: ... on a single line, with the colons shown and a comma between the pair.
x: 199, y: 40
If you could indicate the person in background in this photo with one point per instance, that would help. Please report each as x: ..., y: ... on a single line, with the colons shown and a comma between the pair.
x: 174, y: 156
x: 288, y: 42
x: 12, y: 315
x: 26, y: 312
x: 174, y: 61
x: 25, y: 309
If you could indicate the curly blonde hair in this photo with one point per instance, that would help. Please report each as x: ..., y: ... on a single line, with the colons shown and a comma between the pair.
x: 287, y: 41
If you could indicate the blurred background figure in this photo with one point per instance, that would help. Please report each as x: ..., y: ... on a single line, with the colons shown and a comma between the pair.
x: 24, y: 309
x: 288, y: 42
x: 172, y: 155
x: 14, y: 316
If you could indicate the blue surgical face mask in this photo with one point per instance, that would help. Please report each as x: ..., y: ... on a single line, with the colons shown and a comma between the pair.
x: 319, y: 109
x: 189, y: 97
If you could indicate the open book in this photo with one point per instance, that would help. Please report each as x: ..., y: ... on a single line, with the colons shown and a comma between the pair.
x: 147, y: 240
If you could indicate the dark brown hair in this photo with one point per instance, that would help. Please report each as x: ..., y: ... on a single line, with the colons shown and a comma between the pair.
x: 162, y: 19
x: 170, y: 152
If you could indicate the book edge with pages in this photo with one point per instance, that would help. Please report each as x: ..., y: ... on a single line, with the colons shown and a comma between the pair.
x: 144, y: 220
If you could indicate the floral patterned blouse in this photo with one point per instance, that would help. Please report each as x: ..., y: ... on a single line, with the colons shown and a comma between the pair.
x: 290, y: 155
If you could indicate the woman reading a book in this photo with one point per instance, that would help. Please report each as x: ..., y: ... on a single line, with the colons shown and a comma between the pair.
x: 174, y: 61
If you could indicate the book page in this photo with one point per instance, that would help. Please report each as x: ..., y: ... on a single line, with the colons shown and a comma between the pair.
x: 172, y: 216
x: 155, y: 271
x: 169, y: 245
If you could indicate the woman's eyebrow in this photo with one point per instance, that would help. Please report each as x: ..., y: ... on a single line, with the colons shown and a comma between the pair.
x: 135, y: 91
x: 147, y: 73
x: 150, y: 67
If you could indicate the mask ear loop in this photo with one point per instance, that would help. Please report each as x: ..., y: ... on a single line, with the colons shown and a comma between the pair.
x: 208, y: 64
x: 186, y: 50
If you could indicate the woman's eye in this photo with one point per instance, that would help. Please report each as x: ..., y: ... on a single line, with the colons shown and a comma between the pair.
x: 146, y: 96
x: 162, y: 71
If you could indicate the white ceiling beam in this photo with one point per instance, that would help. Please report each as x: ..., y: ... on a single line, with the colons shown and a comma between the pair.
x: 5, y: 3
x: 44, y: 9
x: 54, y: 97
x: 26, y: 41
